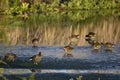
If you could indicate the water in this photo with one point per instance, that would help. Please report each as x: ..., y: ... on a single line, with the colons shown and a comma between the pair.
x: 85, y: 62
x: 53, y: 31
x: 52, y: 57
x: 64, y: 76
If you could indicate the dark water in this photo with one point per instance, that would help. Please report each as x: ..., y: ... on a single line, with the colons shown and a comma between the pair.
x: 53, y: 66
x: 62, y: 76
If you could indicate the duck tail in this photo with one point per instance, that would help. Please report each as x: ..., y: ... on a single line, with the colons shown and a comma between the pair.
x: 30, y: 59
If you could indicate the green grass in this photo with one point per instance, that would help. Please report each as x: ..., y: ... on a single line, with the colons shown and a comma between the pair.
x: 78, y: 78
x: 31, y: 77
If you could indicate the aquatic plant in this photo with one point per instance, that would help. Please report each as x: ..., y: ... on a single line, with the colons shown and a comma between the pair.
x: 78, y: 78
x: 3, y: 77
x: 1, y: 70
x: 31, y: 77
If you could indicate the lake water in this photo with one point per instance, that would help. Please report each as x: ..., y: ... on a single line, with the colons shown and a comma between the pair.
x: 53, y: 31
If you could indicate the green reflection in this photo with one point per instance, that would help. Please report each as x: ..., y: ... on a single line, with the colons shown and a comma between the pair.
x: 55, y: 28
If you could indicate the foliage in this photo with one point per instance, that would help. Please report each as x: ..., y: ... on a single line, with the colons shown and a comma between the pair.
x: 3, y: 62
x: 1, y: 70
x: 32, y: 77
x: 20, y: 6
x: 78, y: 78
x: 60, y: 19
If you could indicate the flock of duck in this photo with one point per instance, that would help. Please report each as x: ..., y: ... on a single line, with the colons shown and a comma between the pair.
x: 91, y: 39
x: 73, y: 40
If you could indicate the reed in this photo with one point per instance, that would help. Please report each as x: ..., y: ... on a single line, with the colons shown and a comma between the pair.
x: 107, y: 30
x: 4, y: 4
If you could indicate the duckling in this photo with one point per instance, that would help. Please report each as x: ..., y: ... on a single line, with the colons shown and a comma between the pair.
x: 108, y: 46
x: 68, y: 48
x: 35, y: 42
x: 74, y: 39
x: 91, y: 36
x: 96, y: 46
x: 36, y: 58
x: 10, y: 56
x: 92, y: 33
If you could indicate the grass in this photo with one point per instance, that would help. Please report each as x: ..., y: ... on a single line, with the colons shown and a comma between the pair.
x: 31, y: 77
x: 78, y: 78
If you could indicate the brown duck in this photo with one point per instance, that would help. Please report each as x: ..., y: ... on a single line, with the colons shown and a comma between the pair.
x: 96, y: 46
x: 10, y: 56
x: 35, y: 42
x: 68, y: 49
x: 91, y: 42
x: 74, y: 39
x: 108, y: 46
x: 36, y: 58
x: 90, y: 36
x: 87, y: 37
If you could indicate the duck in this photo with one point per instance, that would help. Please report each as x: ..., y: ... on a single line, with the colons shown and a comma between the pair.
x: 108, y: 46
x: 91, y: 42
x: 92, y: 33
x: 96, y: 46
x: 68, y: 49
x: 10, y: 56
x: 87, y: 38
x: 35, y: 42
x: 36, y: 58
x: 74, y: 39
x: 91, y: 36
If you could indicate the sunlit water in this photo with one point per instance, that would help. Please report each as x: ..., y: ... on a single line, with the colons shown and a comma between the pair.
x: 52, y: 57
x: 54, y: 66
